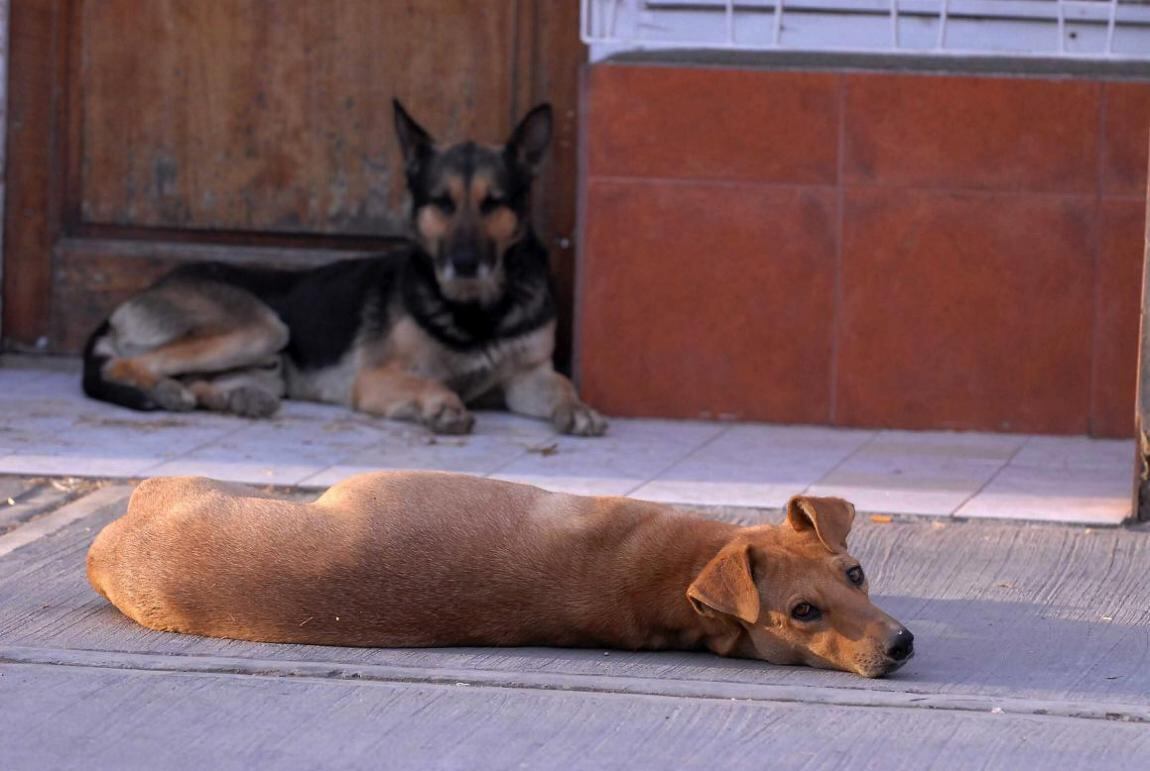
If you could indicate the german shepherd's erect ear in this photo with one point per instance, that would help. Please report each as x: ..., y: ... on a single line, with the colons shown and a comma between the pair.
x: 416, y: 143
x: 529, y: 140
x: 525, y: 148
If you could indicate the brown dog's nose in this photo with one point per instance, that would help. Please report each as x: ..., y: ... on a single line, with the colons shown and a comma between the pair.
x: 900, y: 646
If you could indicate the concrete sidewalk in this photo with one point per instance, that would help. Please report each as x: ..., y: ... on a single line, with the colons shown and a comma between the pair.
x: 1033, y: 640
x: 48, y: 428
x: 1033, y: 652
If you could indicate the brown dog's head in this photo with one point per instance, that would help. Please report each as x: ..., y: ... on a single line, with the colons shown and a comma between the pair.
x: 470, y: 202
x: 793, y: 595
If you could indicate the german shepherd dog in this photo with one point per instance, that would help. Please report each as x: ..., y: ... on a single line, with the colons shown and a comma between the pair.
x: 464, y: 313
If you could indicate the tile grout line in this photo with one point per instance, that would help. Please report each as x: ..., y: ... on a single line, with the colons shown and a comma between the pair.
x: 144, y: 470
x: 874, y: 437
x: 367, y: 422
x: 706, y: 443
x: 523, y: 453
x: 837, y: 287
x: 1051, y: 195
x: 72, y: 511
x: 723, y: 182
x: 227, y: 430
x: 1096, y: 261
x: 249, y: 424
x: 196, y: 448
x: 304, y: 482
x: 988, y: 482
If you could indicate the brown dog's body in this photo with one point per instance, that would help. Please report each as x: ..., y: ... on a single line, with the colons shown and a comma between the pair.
x: 427, y: 559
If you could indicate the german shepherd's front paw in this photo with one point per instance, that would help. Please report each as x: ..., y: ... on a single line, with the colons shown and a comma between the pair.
x: 450, y: 419
x: 578, y: 419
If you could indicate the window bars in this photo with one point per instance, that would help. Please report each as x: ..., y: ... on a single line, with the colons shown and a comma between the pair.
x: 1080, y: 29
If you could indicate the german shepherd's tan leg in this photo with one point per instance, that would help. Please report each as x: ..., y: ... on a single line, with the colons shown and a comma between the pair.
x: 254, y: 392
x: 393, y: 393
x: 155, y: 371
x: 184, y: 333
x: 544, y: 393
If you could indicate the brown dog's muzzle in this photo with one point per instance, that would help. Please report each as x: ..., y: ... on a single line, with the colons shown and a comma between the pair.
x: 882, y: 649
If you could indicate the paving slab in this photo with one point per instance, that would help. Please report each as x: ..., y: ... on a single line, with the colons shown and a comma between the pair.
x: 1033, y: 639
x: 24, y: 498
x: 84, y: 718
x: 1033, y: 648
x: 755, y: 465
x: 992, y: 605
x: 47, y: 427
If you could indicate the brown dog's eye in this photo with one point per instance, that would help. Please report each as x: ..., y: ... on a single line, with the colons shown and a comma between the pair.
x: 856, y: 575
x: 443, y: 203
x: 490, y: 204
x: 804, y: 611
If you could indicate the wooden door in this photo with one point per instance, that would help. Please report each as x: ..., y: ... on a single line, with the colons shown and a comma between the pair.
x: 144, y: 134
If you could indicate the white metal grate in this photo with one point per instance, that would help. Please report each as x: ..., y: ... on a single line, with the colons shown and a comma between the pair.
x: 1080, y: 29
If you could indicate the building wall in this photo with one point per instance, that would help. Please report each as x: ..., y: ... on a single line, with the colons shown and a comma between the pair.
x: 862, y: 249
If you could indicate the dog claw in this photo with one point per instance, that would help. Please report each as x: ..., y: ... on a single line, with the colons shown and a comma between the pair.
x: 451, y: 420
x: 252, y: 403
x: 579, y: 420
x: 173, y: 396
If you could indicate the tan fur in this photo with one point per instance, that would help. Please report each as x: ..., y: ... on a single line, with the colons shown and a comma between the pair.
x: 131, y: 372
x: 428, y: 559
x: 455, y: 188
x: 502, y: 227
x: 466, y: 309
x: 393, y: 392
x: 206, y: 353
x: 481, y: 187
x: 433, y: 226
x: 410, y: 347
x: 521, y: 367
x: 204, y: 367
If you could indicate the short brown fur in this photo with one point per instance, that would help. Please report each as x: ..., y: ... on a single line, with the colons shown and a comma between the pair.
x: 427, y: 559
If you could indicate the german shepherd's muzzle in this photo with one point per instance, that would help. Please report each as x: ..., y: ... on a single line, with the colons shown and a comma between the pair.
x: 463, y: 313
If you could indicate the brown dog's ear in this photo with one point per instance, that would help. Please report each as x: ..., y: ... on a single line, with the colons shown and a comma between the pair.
x: 416, y: 143
x: 530, y: 138
x: 726, y: 585
x: 830, y: 518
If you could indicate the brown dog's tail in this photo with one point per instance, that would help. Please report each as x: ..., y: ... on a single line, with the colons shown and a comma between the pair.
x: 97, y: 386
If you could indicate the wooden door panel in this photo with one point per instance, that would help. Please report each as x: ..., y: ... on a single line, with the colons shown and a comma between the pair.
x: 94, y: 275
x: 274, y: 116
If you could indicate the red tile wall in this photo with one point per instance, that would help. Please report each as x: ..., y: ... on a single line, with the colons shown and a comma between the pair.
x: 912, y: 251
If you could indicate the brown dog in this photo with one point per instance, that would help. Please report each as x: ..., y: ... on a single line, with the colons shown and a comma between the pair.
x: 395, y: 559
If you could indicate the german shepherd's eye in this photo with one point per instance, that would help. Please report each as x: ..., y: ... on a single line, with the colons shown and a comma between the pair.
x: 804, y: 611
x: 856, y: 575
x: 443, y: 203
x: 491, y: 203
